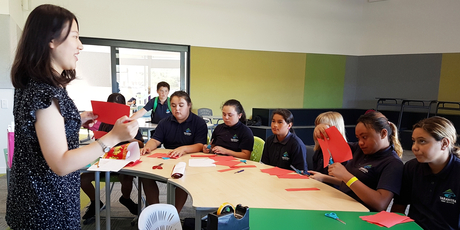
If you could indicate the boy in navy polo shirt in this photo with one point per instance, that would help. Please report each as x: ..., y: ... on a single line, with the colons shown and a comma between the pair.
x: 160, y: 106
x: 233, y: 137
x: 430, y: 182
x: 184, y: 133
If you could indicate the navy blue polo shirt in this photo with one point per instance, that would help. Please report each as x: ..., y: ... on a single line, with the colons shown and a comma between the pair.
x: 160, y: 112
x: 381, y: 170
x: 432, y: 197
x: 173, y: 134
x: 290, y: 151
x: 235, y: 138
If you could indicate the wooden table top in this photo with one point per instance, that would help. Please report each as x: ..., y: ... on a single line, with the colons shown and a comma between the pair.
x: 210, y: 188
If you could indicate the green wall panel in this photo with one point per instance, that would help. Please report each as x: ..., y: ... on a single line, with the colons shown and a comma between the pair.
x: 324, y: 81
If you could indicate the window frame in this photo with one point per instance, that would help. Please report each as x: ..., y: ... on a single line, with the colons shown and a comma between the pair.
x: 114, y: 61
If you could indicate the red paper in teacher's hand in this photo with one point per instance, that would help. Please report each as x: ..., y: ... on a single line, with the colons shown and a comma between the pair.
x: 109, y: 112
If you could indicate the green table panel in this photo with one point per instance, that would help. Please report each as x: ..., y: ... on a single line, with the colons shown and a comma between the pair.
x: 265, y: 219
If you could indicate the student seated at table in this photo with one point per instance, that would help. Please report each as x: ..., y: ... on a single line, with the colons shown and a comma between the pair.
x: 160, y: 106
x: 125, y: 180
x: 329, y: 118
x: 284, y: 149
x: 183, y: 132
x: 374, y: 174
x: 430, y: 182
x: 232, y: 137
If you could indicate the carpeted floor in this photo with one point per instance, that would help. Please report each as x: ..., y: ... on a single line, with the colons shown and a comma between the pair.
x: 121, y: 218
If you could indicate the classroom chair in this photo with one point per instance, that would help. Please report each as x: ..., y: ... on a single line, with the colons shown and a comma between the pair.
x: 159, y: 216
x: 204, y: 112
x: 258, y: 149
x: 310, y: 153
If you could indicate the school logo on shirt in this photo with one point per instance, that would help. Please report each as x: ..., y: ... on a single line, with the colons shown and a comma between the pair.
x: 234, y: 138
x: 285, y: 156
x: 448, y: 197
x: 168, y: 111
x: 365, y: 169
x: 188, y: 132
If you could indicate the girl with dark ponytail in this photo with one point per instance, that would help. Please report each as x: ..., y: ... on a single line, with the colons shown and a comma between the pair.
x: 436, y: 167
x: 374, y: 174
x: 232, y: 137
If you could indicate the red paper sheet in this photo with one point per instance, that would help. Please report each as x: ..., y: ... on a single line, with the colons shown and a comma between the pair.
x: 203, y: 155
x: 159, y: 155
x: 301, y: 189
x: 99, y: 134
x: 276, y: 171
x: 293, y: 176
x: 109, y: 112
x: 339, y: 148
x: 224, y: 158
x: 227, y: 163
x: 387, y: 219
x: 244, y: 166
x: 131, y: 164
x: 225, y: 170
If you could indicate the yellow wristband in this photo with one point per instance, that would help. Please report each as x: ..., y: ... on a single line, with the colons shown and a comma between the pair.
x: 351, y: 181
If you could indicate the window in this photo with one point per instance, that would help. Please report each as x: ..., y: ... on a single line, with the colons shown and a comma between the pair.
x: 130, y: 68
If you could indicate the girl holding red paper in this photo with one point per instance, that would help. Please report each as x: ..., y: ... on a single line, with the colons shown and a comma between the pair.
x: 430, y: 182
x: 329, y: 118
x: 374, y: 174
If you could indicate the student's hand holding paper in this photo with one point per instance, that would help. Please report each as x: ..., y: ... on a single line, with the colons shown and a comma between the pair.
x: 178, y: 152
x: 339, y: 171
x: 320, y: 132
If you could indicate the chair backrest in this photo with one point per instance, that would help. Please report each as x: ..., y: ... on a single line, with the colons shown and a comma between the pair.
x: 159, y: 216
x: 310, y: 153
x: 258, y: 149
x: 204, y: 112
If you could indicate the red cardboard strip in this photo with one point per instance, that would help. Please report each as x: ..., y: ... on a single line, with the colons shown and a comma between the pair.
x: 387, y: 219
x: 276, y: 171
x: 227, y: 163
x: 109, y: 112
x: 203, y: 155
x: 225, y: 170
x: 224, y: 158
x: 133, y: 163
x: 293, y: 176
x: 243, y: 166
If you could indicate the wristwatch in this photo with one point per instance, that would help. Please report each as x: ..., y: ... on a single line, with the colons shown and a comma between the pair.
x: 105, y: 148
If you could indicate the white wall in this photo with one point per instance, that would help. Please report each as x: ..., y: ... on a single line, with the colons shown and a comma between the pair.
x: 313, y: 26
x: 350, y: 27
x: 410, y: 27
